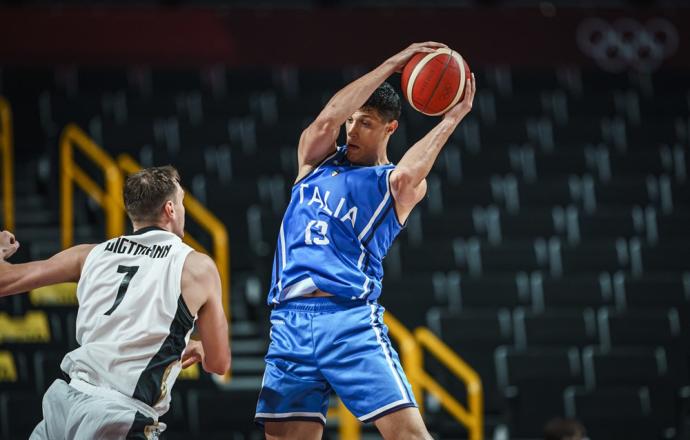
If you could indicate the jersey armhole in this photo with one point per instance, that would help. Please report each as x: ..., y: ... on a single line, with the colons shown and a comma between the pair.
x: 337, y: 151
x: 395, y: 207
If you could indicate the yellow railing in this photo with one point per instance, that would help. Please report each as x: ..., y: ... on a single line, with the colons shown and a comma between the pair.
x: 110, y: 198
x: 411, y: 356
x: 7, y: 153
x: 471, y: 417
x: 219, y: 235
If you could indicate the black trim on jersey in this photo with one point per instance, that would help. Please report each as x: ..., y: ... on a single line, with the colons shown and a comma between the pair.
x: 148, y: 387
x: 379, y: 220
x: 148, y: 229
x: 138, y: 429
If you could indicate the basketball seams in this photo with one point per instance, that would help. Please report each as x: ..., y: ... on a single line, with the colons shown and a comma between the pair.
x: 420, y: 65
x: 444, y: 69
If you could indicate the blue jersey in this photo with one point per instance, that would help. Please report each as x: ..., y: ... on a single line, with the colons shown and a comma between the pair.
x: 337, y: 229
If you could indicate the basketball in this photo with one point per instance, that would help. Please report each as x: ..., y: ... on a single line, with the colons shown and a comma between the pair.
x: 434, y: 82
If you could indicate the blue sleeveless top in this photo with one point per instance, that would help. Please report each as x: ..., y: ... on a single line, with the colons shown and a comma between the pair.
x: 336, y: 230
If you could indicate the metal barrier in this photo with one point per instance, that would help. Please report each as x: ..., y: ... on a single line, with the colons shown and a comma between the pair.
x: 110, y: 198
x: 7, y: 154
x: 473, y: 417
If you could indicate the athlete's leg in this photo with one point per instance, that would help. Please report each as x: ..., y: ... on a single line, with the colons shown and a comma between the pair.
x: 405, y: 424
x: 293, y: 430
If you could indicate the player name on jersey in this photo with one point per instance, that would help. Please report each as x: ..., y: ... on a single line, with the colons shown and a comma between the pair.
x: 129, y: 247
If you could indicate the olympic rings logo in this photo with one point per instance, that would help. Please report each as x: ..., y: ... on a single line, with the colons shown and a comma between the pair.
x: 627, y: 44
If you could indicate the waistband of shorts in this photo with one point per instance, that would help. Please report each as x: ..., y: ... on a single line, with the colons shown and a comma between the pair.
x: 107, y: 393
x: 321, y: 304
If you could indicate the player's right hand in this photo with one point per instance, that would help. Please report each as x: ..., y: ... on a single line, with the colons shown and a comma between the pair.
x: 401, y: 58
x: 8, y: 245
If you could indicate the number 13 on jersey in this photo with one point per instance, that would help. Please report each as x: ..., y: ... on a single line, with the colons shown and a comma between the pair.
x: 316, y: 233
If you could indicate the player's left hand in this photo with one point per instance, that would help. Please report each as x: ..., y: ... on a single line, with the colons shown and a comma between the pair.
x: 193, y: 353
x: 8, y: 245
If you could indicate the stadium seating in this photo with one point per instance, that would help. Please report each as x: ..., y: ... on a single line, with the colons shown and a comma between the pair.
x: 551, y: 251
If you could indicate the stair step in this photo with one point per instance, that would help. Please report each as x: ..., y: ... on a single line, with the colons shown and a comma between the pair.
x: 254, y: 346
x: 248, y: 366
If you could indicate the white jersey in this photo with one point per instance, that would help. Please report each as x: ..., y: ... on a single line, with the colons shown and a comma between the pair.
x: 132, y: 323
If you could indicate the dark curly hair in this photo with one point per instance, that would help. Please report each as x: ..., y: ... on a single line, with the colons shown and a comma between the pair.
x: 386, y: 101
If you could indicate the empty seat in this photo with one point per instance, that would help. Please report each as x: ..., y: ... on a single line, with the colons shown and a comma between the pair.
x: 608, y: 223
x: 620, y: 367
x: 474, y: 335
x: 428, y: 256
x: 573, y: 292
x: 534, y: 381
x: 592, y: 257
x: 649, y: 328
x: 613, y: 413
x: 640, y: 327
x: 653, y: 291
x: 492, y: 292
x: 510, y: 257
x: 666, y: 257
x: 532, y: 223
x: 450, y: 223
x: 554, y: 328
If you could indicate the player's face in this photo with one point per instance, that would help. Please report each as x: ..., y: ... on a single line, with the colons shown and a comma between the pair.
x: 367, y: 134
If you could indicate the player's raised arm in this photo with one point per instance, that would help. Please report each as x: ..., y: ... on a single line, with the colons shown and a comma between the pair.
x: 201, y: 290
x: 60, y: 268
x: 408, y: 180
x: 318, y: 140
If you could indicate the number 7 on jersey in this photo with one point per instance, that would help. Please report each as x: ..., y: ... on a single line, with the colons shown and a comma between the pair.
x: 129, y: 272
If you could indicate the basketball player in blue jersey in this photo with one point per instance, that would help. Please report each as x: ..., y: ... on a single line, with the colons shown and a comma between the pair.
x: 347, y: 206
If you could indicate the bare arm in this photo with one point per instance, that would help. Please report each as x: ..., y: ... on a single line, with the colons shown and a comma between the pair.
x: 60, y: 268
x: 408, y: 180
x: 318, y: 140
x: 201, y: 290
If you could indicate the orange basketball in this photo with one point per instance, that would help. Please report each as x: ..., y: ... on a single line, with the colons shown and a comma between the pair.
x: 434, y: 82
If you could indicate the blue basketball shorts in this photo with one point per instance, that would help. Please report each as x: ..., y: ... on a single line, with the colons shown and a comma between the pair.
x: 320, y: 345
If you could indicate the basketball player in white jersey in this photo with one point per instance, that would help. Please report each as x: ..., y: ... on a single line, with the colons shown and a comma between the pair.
x: 139, y: 296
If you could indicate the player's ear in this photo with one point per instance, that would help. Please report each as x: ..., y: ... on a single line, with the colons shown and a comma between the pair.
x: 391, y: 127
x: 169, y: 208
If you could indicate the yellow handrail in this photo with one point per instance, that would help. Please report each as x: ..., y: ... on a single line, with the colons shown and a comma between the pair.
x: 219, y: 235
x: 472, y: 418
x: 7, y: 153
x: 110, y: 198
